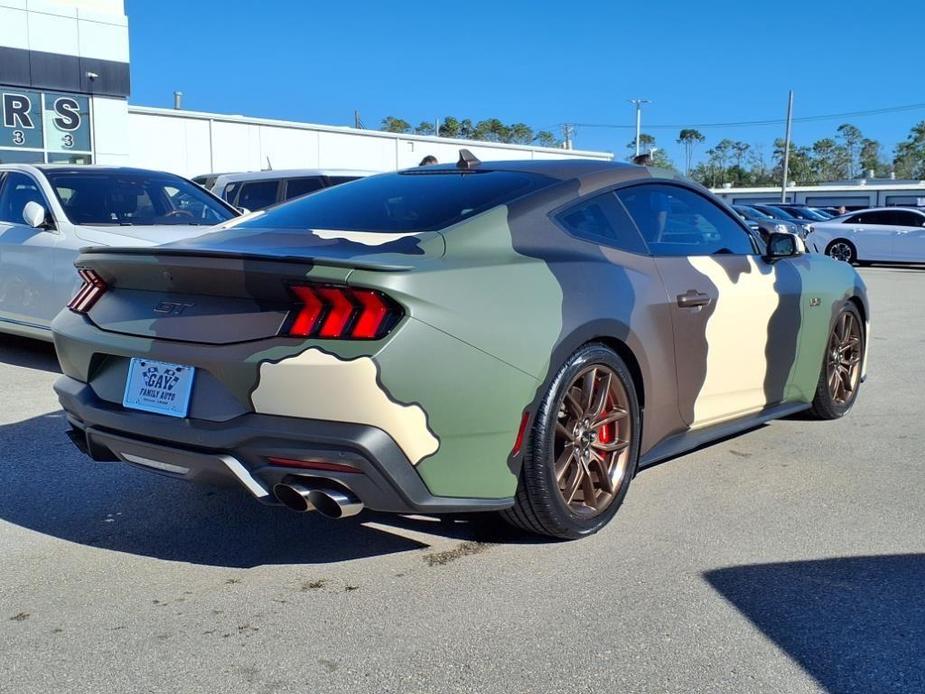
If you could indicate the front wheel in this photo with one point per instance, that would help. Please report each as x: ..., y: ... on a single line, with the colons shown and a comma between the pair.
x: 840, y: 378
x: 582, y: 451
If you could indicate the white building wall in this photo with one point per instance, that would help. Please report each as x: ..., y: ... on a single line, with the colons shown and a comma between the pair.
x: 110, y: 130
x: 87, y: 28
x: 190, y: 143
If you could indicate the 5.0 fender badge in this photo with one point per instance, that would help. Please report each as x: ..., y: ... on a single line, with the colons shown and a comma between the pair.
x: 814, y: 301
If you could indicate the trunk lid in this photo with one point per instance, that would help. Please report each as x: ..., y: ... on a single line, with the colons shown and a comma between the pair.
x: 227, y: 288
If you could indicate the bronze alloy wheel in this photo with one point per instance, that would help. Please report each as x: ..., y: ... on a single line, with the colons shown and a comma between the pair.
x: 592, y: 441
x: 843, y: 360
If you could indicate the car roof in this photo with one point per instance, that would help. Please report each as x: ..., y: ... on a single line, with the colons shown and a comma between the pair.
x: 288, y: 173
x: 554, y: 168
x: 99, y: 168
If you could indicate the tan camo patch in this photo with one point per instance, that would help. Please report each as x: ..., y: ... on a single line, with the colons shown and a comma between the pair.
x: 317, y: 385
x: 737, y: 336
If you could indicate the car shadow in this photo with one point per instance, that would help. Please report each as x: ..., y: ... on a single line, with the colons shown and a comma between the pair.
x: 49, y: 487
x: 855, y: 624
x: 28, y: 353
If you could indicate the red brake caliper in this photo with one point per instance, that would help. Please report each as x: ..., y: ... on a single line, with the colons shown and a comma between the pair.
x: 608, y: 432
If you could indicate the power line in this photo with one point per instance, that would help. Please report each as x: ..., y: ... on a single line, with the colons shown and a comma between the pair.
x: 758, y: 123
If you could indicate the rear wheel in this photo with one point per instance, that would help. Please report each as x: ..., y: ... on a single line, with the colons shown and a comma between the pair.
x: 582, y: 450
x: 843, y: 250
x: 841, y: 369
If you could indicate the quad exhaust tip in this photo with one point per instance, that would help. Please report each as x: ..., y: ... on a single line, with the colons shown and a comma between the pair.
x: 328, y: 501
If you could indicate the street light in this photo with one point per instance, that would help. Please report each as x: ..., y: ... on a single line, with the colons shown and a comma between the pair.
x: 638, y: 103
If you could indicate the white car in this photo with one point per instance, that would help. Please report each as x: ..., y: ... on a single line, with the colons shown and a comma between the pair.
x: 883, y: 234
x: 47, y: 213
x: 256, y: 190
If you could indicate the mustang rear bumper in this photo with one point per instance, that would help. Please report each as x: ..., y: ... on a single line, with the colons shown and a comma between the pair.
x: 238, y: 451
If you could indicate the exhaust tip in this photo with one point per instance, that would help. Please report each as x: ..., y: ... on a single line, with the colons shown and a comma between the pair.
x: 329, y: 502
x: 293, y: 496
x: 334, y: 504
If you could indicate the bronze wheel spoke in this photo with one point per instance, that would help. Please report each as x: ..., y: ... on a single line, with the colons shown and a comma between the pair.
x: 587, y: 390
x: 610, y: 447
x: 588, y: 490
x: 603, y: 471
x: 573, y: 405
x: 564, y: 462
x: 563, y: 430
x: 592, y: 442
x: 573, y: 485
x: 600, y: 397
x: 615, y: 415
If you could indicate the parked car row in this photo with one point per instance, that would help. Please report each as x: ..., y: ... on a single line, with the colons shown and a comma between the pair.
x: 888, y: 234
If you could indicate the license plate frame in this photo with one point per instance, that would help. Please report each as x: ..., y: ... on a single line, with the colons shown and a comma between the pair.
x: 159, y: 387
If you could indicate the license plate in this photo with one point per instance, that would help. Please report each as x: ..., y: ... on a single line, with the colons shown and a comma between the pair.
x: 156, y: 386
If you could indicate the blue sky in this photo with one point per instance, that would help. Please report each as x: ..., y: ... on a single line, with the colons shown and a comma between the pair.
x: 542, y: 63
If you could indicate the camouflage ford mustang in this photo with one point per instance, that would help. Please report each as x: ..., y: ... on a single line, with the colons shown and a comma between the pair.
x: 515, y: 336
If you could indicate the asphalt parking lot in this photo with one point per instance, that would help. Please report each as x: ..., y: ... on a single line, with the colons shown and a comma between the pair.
x: 788, y: 559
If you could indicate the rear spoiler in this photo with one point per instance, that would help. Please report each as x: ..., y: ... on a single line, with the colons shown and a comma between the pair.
x: 357, y: 263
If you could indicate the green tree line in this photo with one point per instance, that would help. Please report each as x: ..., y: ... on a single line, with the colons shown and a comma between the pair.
x: 846, y: 154
x: 489, y: 130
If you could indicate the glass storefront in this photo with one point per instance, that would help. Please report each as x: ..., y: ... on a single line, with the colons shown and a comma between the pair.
x: 39, y: 127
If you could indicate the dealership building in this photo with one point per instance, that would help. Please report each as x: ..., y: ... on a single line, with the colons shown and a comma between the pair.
x: 65, y: 85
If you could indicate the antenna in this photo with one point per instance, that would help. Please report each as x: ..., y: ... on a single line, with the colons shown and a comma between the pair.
x: 467, y: 160
x: 269, y: 165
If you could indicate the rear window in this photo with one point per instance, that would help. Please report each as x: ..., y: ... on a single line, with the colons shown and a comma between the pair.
x: 402, y: 202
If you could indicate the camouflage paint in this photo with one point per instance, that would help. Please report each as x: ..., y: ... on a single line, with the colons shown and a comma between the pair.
x: 494, y: 306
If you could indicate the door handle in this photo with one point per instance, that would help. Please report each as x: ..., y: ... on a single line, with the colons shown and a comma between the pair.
x: 693, y: 299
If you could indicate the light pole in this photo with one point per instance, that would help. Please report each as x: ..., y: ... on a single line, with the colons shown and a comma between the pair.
x: 786, y: 167
x: 638, y: 103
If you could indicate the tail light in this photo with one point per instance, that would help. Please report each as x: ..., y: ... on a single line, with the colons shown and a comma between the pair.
x: 341, y: 313
x: 90, y: 291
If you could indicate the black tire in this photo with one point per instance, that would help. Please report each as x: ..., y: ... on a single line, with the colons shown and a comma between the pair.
x: 824, y: 404
x: 842, y: 249
x: 539, y: 507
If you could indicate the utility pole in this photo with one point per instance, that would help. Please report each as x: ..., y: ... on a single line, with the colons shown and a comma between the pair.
x: 786, y: 172
x: 638, y: 104
x: 436, y: 127
x: 567, y: 132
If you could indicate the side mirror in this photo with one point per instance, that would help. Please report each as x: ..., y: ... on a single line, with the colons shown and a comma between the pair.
x: 784, y: 245
x: 35, y: 215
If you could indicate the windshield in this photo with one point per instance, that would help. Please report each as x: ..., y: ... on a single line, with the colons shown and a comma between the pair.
x: 401, y: 202
x: 811, y: 215
x: 777, y: 213
x: 751, y: 213
x: 134, y: 199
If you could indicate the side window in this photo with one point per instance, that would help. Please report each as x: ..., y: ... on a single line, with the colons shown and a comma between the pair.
x: 675, y: 221
x: 296, y: 187
x: 602, y: 219
x: 855, y: 219
x: 230, y: 192
x: 908, y: 219
x: 18, y: 190
x: 255, y: 195
x: 880, y: 218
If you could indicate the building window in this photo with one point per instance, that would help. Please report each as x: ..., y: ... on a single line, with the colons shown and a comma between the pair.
x: 38, y: 127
